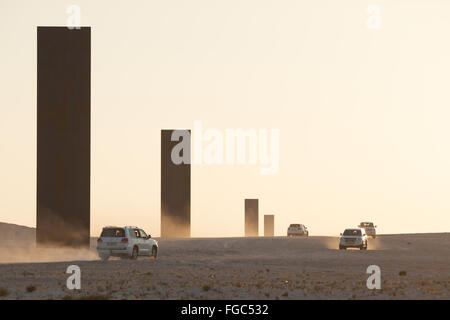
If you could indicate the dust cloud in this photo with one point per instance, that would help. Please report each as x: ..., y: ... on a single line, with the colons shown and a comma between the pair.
x: 332, y: 243
x: 174, y: 226
x: 27, y: 253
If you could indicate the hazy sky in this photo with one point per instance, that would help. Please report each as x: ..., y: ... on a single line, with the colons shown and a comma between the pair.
x: 363, y: 114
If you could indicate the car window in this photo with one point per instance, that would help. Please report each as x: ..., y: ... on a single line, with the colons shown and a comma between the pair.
x: 113, y: 232
x: 134, y: 233
x: 143, y: 234
x: 349, y: 232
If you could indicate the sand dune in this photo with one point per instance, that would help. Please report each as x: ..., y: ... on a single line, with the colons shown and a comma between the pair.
x: 240, y: 268
x: 13, y: 233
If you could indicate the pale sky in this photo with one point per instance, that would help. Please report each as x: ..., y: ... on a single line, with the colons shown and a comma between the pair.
x: 363, y: 114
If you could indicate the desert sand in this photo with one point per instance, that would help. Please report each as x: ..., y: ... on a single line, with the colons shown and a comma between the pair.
x: 412, y: 267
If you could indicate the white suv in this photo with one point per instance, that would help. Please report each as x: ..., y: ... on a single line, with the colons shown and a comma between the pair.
x: 126, y: 243
x: 370, y: 229
x: 353, y: 238
x: 296, y: 229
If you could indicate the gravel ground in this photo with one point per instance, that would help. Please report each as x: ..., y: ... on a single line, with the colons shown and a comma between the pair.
x: 412, y: 267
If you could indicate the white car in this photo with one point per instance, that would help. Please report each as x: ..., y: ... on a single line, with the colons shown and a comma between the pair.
x: 296, y: 229
x: 353, y: 238
x: 126, y: 243
x: 370, y: 229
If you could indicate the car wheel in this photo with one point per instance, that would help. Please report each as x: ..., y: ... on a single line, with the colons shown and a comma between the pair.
x: 154, y: 252
x: 135, y: 253
x: 104, y: 257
